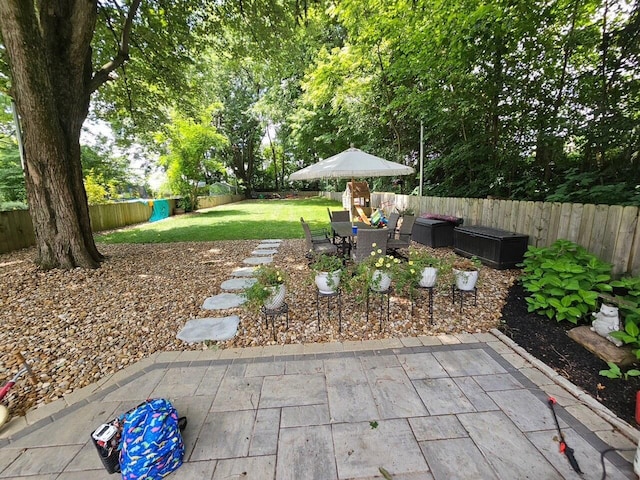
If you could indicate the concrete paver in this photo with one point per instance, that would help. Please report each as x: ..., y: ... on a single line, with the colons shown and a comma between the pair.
x: 432, y: 410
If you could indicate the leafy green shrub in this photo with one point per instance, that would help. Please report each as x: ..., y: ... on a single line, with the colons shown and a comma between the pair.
x: 564, y: 280
x: 7, y: 206
x: 628, y: 306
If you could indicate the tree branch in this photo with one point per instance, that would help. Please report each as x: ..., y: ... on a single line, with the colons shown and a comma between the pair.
x: 102, y: 75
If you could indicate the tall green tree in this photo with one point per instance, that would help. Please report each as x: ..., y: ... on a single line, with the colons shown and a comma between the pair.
x: 51, y: 50
x: 194, y: 148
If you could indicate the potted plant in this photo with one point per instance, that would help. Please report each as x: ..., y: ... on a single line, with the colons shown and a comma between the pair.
x: 420, y: 271
x: 269, y: 290
x: 374, y: 273
x: 465, y: 272
x: 327, y: 270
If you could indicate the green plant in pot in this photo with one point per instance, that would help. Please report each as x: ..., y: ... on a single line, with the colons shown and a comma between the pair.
x: 269, y: 289
x: 466, y: 272
x: 421, y: 270
x: 327, y: 271
x: 374, y: 273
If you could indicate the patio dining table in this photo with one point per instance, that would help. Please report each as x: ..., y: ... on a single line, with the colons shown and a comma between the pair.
x: 344, y: 231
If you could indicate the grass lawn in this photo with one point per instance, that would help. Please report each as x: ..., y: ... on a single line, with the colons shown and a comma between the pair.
x: 246, y: 220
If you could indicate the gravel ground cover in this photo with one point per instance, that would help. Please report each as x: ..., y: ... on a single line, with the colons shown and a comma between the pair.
x: 77, y: 327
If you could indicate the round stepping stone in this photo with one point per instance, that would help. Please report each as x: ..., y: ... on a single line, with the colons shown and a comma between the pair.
x: 264, y: 252
x: 201, y: 329
x: 237, y: 283
x: 223, y: 301
x: 257, y: 260
x: 244, y: 272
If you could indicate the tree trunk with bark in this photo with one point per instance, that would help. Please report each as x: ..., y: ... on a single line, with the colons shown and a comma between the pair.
x: 48, y: 44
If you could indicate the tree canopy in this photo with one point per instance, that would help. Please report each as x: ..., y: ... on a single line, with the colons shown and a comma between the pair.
x: 524, y: 100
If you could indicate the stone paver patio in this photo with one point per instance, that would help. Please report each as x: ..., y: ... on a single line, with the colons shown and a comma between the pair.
x: 449, y: 407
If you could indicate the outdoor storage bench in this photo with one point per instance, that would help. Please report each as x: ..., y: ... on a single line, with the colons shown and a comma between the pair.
x: 494, y: 247
x: 434, y: 230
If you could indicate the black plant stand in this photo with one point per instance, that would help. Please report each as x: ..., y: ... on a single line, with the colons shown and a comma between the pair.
x: 430, y: 300
x: 386, y: 293
x: 273, y: 314
x: 456, y: 292
x: 329, y: 296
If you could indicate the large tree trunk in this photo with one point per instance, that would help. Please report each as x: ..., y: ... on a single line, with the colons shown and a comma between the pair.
x: 48, y: 44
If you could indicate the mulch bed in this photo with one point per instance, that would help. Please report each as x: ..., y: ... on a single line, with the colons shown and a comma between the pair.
x: 548, y: 341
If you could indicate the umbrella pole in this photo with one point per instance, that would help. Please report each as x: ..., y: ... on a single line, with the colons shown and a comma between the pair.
x: 353, y: 194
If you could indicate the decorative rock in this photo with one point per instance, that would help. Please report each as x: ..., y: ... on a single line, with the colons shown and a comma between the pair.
x: 257, y: 260
x: 201, y: 329
x: 223, y: 301
x: 244, y: 272
x: 601, y: 347
x: 237, y: 283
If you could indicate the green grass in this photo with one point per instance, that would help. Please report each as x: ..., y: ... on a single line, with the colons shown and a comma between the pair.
x: 246, y: 220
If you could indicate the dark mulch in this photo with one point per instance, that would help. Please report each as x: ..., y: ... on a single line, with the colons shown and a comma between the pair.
x: 548, y: 341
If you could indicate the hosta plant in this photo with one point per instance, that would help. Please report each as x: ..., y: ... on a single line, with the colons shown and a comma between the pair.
x: 628, y: 303
x: 564, y: 281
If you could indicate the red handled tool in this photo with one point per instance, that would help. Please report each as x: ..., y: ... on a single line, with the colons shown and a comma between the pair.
x: 24, y: 369
x: 564, y: 448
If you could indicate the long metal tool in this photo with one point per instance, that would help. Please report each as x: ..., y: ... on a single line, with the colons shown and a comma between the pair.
x: 564, y: 448
x: 24, y: 369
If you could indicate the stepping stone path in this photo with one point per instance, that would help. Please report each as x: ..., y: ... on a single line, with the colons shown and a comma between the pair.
x: 264, y: 251
x: 201, y: 329
x: 224, y: 328
x: 244, y: 272
x: 257, y: 260
x: 223, y: 301
x: 237, y: 283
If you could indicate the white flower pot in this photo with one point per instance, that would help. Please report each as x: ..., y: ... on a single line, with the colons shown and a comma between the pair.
x: 381, y: 281
x: 465, y: 280
x: 429, y: 277
x: 327, y: 282
x: 276, y: 299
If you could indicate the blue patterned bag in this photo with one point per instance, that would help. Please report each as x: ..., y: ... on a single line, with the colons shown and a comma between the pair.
x: 151, y: 446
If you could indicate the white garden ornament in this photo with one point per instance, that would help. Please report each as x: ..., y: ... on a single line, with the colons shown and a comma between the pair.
x: 607, y: 321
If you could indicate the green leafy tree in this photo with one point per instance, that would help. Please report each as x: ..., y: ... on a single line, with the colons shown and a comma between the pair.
x: 96, y: 192
x: 56, y: 62
x: 194, y: 148
x: 12, y: 187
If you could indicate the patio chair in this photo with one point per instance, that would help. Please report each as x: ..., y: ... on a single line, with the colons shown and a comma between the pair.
x: 392, y: 224
x: 366, y: 239
x: 404, y: 236
x: 317, y: 241
x: 340, y: 216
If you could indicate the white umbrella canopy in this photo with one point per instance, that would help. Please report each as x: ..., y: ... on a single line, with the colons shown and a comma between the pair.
x: 351, y: 163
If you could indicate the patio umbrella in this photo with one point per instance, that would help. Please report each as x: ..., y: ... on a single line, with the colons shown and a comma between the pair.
x: 351, y: 163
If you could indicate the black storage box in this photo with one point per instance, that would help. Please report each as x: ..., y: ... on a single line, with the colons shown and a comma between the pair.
x: 433, y: 233
x: 494, y: 247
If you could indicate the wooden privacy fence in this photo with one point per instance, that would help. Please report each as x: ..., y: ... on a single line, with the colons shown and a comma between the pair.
x: 16, y: 229
x: 610, y: 232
